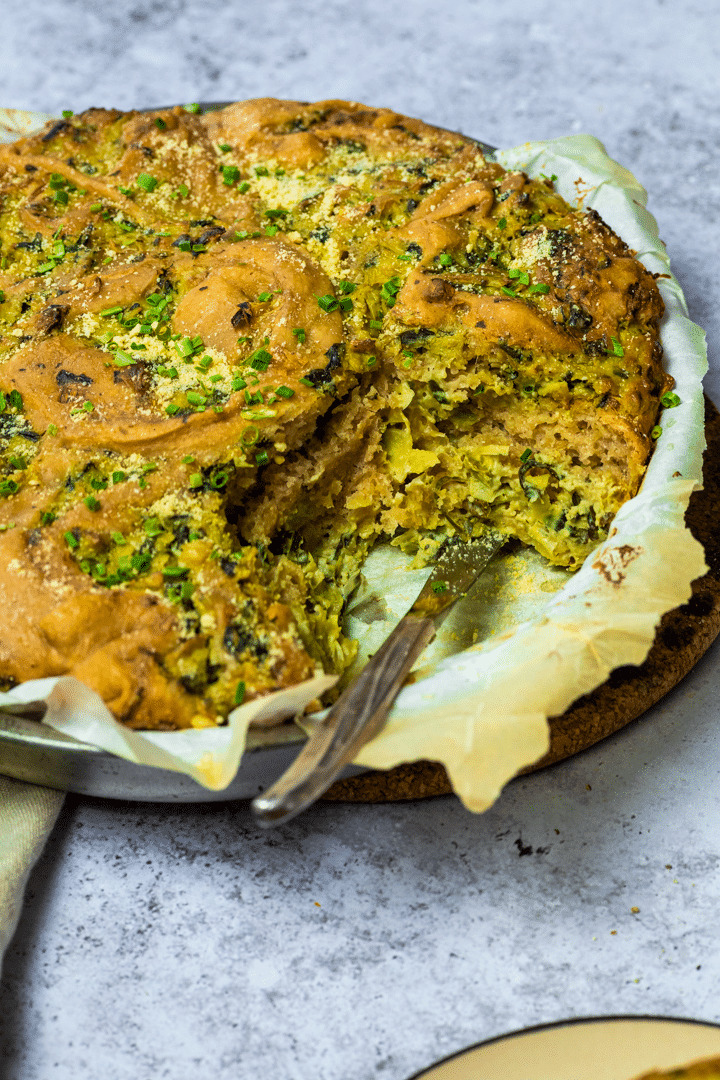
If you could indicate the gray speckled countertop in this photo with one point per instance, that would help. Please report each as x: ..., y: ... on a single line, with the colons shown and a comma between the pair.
x: 367, y: 941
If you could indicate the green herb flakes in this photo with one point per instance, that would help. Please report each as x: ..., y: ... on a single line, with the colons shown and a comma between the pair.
x: 147, y: 182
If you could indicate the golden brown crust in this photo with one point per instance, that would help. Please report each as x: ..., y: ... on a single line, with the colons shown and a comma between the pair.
x: 237, y: 349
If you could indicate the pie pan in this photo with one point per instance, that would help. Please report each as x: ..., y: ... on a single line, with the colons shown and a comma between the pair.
x: 74, y: 771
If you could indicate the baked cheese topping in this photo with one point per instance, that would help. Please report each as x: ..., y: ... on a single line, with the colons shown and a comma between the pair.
x: 238, y: 349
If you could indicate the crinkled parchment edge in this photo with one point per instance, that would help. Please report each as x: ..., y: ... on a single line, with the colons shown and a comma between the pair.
x: 483, y: 712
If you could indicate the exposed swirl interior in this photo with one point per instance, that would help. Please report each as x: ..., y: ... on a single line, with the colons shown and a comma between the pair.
x: 238, y: 349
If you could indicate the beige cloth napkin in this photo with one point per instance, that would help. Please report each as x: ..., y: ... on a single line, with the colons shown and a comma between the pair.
x: 27, y: 814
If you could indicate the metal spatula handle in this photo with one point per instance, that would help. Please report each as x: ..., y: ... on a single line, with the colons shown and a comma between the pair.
x: 356, y: 717
x: 362, y: 709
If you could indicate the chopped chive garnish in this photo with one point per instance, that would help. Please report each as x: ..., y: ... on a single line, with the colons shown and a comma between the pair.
x: 250, y: 435
x: 300, y: 334
x: 219, y: 479
x: 656, y: 432
x: 118, y: 476
x: 239, y: 693
x: 160, y: 123
x: 260, y: 360
x: 47, y: 518
x: 440, y: 586
x: 376, y: 324
x: 71, y: 540
x: 526, y: 454
x: 444, y: 259
x: 327, y: 303
x: 195, y: 480
x: 539, y: 287
x: 224, y: 147
x: 389, y: 291
x: 52, y: 429
x: 111, y: 311
x: 91, y: 502
x: 617, y: 349
x: 193, y: 108
x: 147, y: 182
x: 261, y: 457
x: 230, y: 174
x: 67, y: 113
x: 175, y: 571
x: 172, y: 410
x: 152, y: 527
x: 502, y: 223
x: 117, y: 538
x: 242, y: 188
x: 522, y: 276
x: 284, y: 392
x: 508, y: 292
x: 669, y: 400
x: 264, y: 297
x: 260, y: 170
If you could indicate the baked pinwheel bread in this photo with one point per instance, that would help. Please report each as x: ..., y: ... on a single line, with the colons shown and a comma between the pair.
x: 238, y: 349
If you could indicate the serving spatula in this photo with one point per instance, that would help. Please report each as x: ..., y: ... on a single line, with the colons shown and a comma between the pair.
x: 362, y: 708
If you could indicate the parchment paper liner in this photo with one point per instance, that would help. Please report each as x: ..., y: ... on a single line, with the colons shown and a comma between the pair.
x: 546, y: 637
